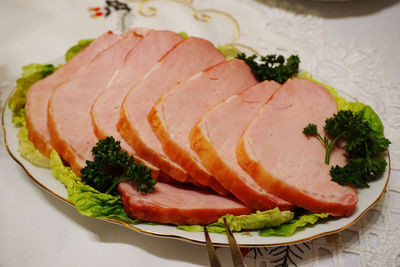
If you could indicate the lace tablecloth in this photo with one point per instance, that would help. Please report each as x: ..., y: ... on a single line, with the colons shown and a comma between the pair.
x: 336, y: 44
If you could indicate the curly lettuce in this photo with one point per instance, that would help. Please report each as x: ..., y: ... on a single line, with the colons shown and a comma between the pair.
x: 87, y: 200
x: 369, y: 114
x: 289, y: 228
x: 258, y: 220
x: 77, y: 48
x: 30, y: 74
x: 183, y: 34
x: 229, y: 51
x: 28, y: 150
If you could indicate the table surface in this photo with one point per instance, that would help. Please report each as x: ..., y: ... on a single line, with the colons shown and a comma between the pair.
x: 37, y: 229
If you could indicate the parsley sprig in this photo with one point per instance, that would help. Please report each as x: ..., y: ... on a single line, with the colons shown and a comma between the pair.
x: 111, y: 166
x: 364, y: 147
x: 272, y: 67
x: 311, y: 129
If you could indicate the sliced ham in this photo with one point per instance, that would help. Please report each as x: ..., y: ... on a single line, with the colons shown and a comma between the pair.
x: 106, y: 109
x: 276, y: 153
x: 178, y: 110
x: 69, y: 120
x: 178, y: 204
x: 184, y: 60
x: 38, y: 95
x: 216, y: 135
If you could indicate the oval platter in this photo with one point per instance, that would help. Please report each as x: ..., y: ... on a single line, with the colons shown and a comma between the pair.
x: 368, y: 197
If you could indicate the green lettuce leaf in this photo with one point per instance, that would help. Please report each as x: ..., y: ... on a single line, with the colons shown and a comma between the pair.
x: 28, y: 150
x: 77, y: 48
x: 87, y: 200
x: 369, y: 114
x: 258, y: 220
x: 294, y: 225
x: 229, y: 51
x: 183, y: 34
x: 30, y: 74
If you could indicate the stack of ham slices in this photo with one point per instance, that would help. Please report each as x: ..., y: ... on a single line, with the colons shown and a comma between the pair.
x: 216, y: 139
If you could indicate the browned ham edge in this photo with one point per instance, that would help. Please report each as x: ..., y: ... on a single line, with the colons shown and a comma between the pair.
x: 177, y: 111
x: 39, y: 93
x: 105, y: 110
x: 176, y: 66
x: 178, y: 204
x: 215, y: 136
x: 276, y: 153
x: 69, y: 120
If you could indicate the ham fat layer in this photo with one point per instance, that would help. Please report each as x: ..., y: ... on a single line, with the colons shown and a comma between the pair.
x: 106, y: 109
x: 216, y: 135
x: 178, y: 110
x: 276, y: 153
x: 69, y: 120
x: 185, y: 59
x: 178, y: 204
x: 38, y: 95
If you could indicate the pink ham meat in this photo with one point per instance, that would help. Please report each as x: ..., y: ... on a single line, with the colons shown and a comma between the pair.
x: 276, y: 153
x: 185, y: 59
x: 38, y: 95
x: 178, y: 204
x: 69, y: 120
x: 178, y: 110
x: 216, y: 135
x: 106, y: 109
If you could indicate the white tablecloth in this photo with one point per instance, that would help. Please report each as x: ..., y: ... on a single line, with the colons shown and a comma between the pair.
x: 37, y: 229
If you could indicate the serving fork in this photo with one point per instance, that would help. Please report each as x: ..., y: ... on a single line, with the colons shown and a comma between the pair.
x: 234, y: 248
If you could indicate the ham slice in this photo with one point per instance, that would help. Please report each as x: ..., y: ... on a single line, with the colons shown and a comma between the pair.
x: 184, y: 60
x: 38, y: 95
x: 178, y: 110
x: 276, y: 153
x: 69, y: 120
x: 216, y: 135
x: 178, y: 204
x: 106, y: 109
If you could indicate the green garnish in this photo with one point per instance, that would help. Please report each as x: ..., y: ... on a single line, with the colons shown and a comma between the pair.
x: 364, y: 146
x: 183, y: 34
x: 359, y: 171
x: 30, y: 74
x: 111, y: 166
x: 87, y: 200
x: 258, y: 220
x: 311, y: 129
x: 77, y: 48
x: 292, y: 226
x: 229, y: 51
x: 272, y: 67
